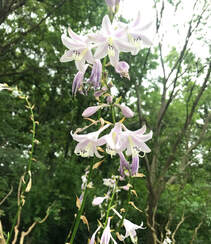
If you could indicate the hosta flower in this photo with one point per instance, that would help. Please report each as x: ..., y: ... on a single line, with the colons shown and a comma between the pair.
x: 78, y: 47
x: 114, y: 140
x: 88, y: 143
x: 112, y: 3
x: 106, y: 236
x: 130, y: 228
x: 109, y: 41
x: 135, y: 34
x: 92, y: 241
x: 90, y: 111
x: 134, y: 141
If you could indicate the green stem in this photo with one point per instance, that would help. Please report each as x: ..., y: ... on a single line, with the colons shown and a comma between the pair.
x: 77, y: 221
x: 109, y: 206
x: 126, y: 210
x: 113, y: 114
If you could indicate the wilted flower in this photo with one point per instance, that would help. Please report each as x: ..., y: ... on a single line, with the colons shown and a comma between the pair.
x: 87, y: 146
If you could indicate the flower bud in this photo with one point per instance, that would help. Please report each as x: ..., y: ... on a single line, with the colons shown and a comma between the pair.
x: 96, y: 74
x: 127, y: 112
x: 122, y: 68
x: 109, y: 99
x: 90, y: 111
x: 98, y: 200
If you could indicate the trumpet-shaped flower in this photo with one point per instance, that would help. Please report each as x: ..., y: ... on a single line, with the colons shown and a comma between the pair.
x: 78, y: 47
x: 130, y: 228
x: 114, y: 140
x: 106, y: 236
x: 135, y: 34
x: 88, y: 143
x: 134, y: 141
x: 110, y: 41
x: 92, y: 241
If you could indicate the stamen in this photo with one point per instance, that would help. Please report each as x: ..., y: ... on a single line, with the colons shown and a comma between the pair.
x: 111, y: 50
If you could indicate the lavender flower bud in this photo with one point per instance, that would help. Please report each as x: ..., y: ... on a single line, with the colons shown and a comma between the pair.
x: 122, y: 68
x: 96, y: 74
x: 77, y: 82
x: 98, y: 200
x: 127, y: 112
x: 90, y: 111
x: 135, y: 165
x: 109, y: 99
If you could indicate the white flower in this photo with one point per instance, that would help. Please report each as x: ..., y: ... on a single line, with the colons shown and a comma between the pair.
x: 87, y: 146
x: 110, y: 41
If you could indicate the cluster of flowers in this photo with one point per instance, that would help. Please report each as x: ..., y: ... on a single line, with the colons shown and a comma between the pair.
x: 118, y: 140
x: 87, y: 51
x: 110, y: 40
x: 128, y: 225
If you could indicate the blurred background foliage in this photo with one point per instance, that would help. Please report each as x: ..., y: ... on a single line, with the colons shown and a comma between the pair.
x: 30, y: 48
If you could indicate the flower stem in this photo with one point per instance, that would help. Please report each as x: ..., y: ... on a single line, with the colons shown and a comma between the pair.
x: 77, y: 220
x: 109, y: 206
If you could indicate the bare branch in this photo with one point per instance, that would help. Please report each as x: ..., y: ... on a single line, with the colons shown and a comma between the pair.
x: 2, y: 239
x: 196, y: 231
x: 8, y: 194
x: 177, y: 227
x: 187, y: 122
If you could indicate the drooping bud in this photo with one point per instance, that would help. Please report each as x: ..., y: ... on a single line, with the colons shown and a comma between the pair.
x: 77, y: 82
x: 127, y: 112
x: 135, y: 165
x: 124, y: 165
x: 100, y: 92
x: 109, y: 99
x: 122, y: 68
x: 90, y: 111
x: 98, y: 200
x: 96, y: 74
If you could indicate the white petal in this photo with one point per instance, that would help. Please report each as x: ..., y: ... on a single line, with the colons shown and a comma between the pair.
x: 106, y: 25
x: 67, y: 56
x: 101, y: 51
